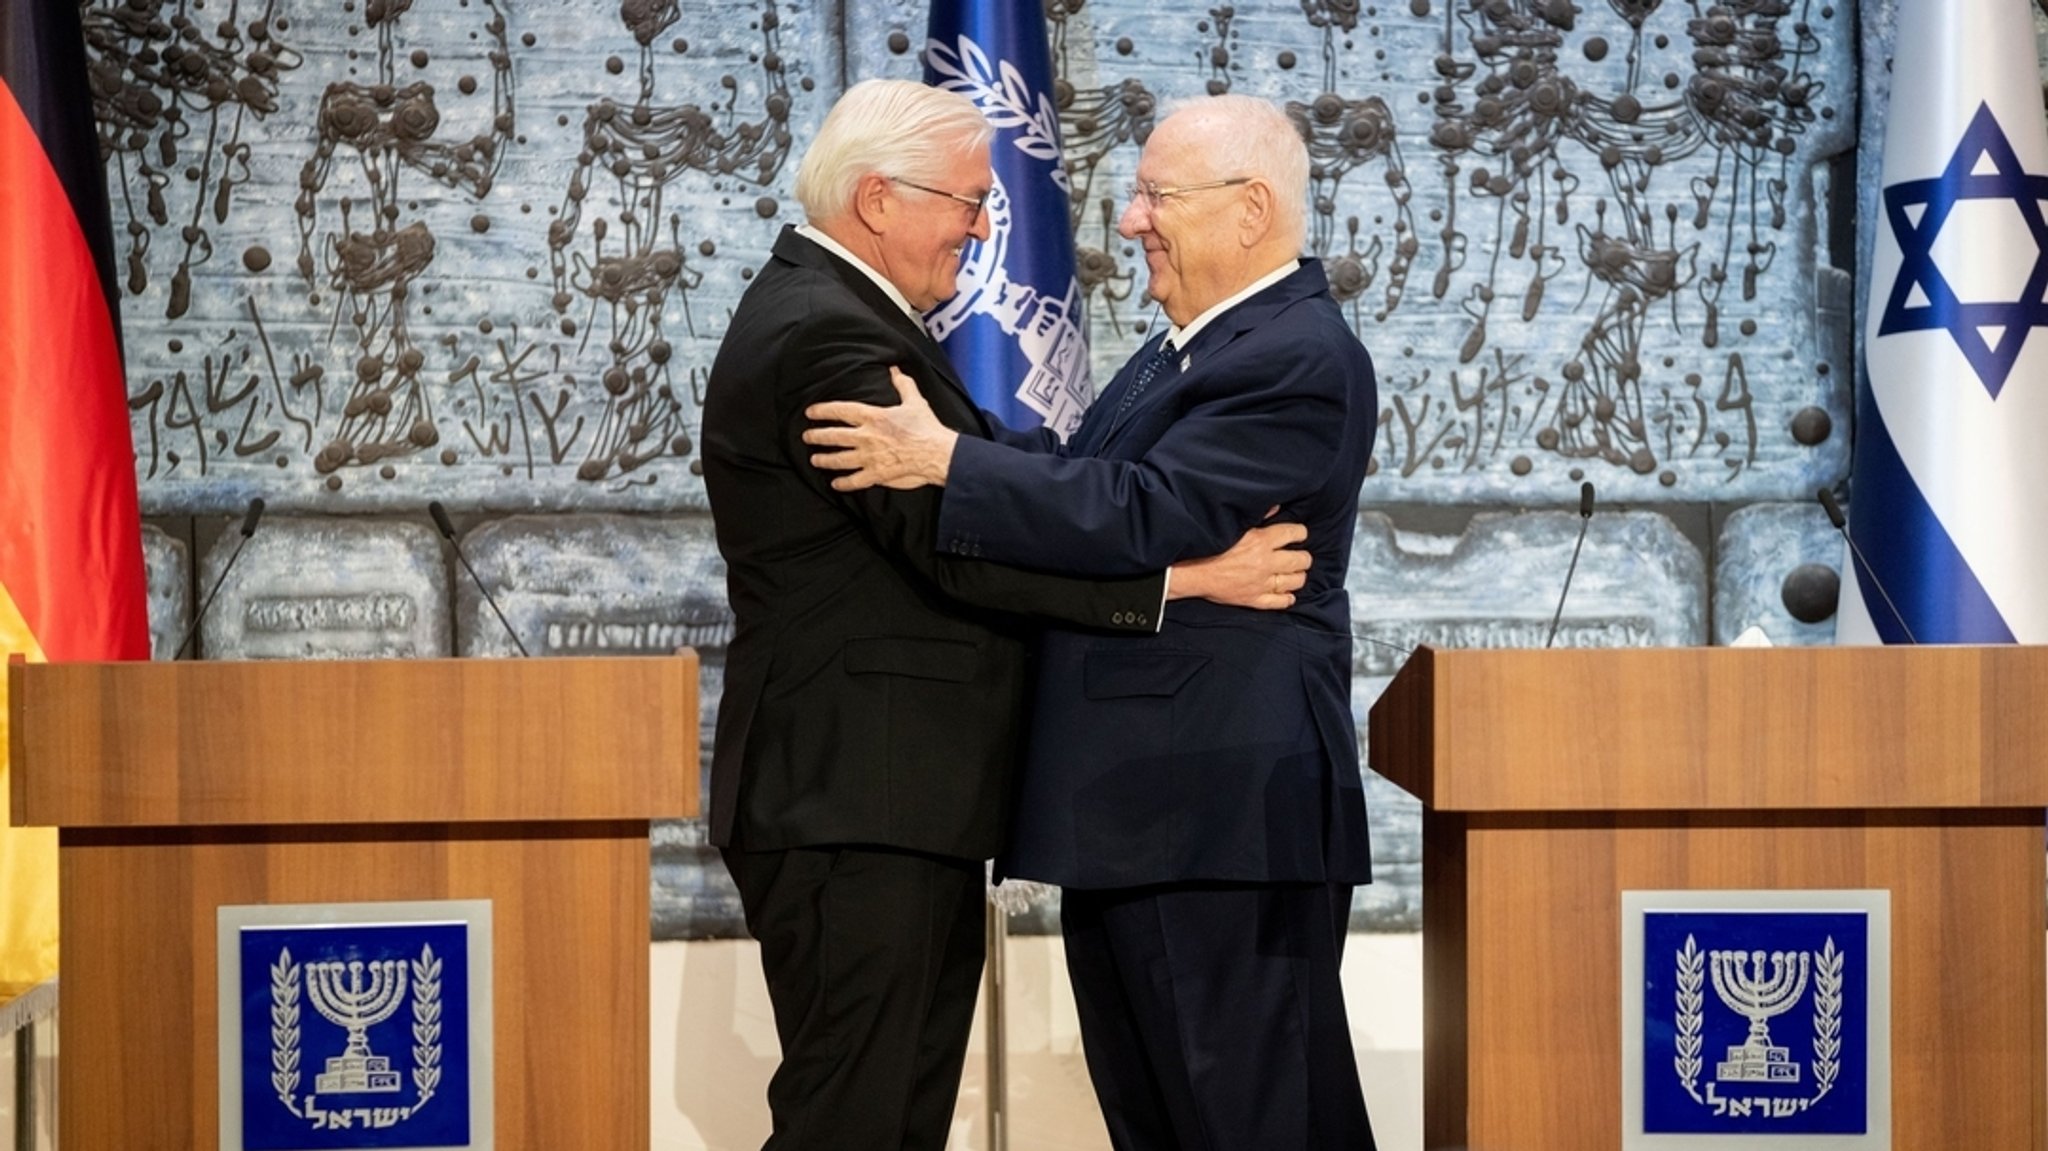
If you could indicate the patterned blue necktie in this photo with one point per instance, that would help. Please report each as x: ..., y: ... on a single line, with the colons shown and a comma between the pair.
x: 1153, y: 365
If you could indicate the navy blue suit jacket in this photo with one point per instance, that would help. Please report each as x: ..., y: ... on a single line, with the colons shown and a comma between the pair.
x: 1222, y: 748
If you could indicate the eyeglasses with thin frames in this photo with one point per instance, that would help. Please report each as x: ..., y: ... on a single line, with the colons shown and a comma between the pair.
x: 1154, y: 195
x: 976, y: 203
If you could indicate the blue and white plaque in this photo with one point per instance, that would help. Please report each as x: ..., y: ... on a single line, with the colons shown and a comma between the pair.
x: 1759, y: 1019
x: 355, y: 1025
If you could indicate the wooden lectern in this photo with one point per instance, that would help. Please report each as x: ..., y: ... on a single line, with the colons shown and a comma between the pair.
x: 1552, y: 781
x: 181, y: 787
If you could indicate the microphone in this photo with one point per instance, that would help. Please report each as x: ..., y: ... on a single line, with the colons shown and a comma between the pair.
x: 447, y: 529
x: 1388, y: 644
x: 249, y: 519
x: 1585, y: 518
x: 1863, y: 568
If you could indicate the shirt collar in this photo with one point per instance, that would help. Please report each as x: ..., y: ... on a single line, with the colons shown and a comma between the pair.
x: 1180, y: 337
x: 838, y: 249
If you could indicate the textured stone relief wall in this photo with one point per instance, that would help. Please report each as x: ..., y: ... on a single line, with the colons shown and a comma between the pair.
x: 384, y: 251
x: 381, y: 252
x: 1566, y: 230
x: 327, y: 588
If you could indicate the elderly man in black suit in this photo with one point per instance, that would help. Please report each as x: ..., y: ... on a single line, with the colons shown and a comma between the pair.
x: 1195, y: 792
x: 874, y: 696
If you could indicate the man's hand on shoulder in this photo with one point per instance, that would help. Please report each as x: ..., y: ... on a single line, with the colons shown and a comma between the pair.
x: 901, y: 447
x: 1261, y: 570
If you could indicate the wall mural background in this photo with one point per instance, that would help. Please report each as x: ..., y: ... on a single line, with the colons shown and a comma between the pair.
x: 382, y: 252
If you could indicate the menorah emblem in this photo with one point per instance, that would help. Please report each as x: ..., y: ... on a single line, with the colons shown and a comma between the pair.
x: 357, y: 1008
x: 1740, y: 982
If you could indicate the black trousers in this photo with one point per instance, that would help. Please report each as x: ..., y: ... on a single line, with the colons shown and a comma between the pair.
x: 1212, y: 1017
x: 873, y: 959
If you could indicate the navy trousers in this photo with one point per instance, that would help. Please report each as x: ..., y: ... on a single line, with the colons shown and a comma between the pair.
x: 1212, y: 1017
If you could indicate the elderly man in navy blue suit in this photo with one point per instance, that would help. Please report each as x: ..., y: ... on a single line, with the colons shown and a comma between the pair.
x: 1194, y: 792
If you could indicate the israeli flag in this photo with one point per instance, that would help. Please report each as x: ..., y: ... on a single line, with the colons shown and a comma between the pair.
x: 1014, y: 329
x: 1950, y: 505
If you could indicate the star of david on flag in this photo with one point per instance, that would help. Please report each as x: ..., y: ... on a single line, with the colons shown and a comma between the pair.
x: 1989, y: 333
x: 1014, y: 329
x: 1949, y: 492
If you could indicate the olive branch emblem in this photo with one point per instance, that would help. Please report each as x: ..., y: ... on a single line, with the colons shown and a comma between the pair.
x: 284, y: 1030
x: 1691, y: 964
x: 1827, y: 1017
x: 426, y: 1024
x: 999, y: 90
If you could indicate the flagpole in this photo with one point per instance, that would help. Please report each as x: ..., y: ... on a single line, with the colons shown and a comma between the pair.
x: 25, y: 1086
x: 998, y: 1038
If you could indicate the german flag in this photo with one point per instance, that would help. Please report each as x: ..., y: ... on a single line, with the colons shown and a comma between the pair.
x: 71, y: 580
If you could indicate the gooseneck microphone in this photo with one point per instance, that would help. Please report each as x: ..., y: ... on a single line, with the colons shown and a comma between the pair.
x: 249, y: 520
x: 1585, y: 518
x: 1863, y: 568
x: 447, y: 530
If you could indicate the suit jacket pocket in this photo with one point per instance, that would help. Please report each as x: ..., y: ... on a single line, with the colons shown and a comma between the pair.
x: 942, y: 659
x: 1151, y: 672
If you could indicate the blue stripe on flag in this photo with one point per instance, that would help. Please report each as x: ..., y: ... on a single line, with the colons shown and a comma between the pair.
x: 1912, y: 554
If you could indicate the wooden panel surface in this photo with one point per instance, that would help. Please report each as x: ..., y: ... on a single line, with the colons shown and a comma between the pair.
x: 1717, y: 728
x: 369, y: 741
x: 1522, y: 962
x: 138, y: 1033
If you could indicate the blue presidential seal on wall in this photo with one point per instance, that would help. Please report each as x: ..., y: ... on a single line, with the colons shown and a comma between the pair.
x: 355, y: 1026
x: 1756, y: 1015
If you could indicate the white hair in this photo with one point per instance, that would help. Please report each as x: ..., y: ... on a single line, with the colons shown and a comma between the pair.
x: 1247, y: 136
x: 892, y: 128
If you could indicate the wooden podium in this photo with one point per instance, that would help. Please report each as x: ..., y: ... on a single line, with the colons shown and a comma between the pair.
x: 182, y: 787
x: 1552, y: 781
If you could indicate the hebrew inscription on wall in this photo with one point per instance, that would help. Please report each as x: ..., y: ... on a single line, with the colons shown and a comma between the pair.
x: 381, y: 249
x: 1566, y: 230
x: 385, y: 251
x: 320, y: 588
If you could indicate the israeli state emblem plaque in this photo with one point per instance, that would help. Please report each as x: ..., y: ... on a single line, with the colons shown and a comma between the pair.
x: 1757, y: 1016
x: 356, y: 1025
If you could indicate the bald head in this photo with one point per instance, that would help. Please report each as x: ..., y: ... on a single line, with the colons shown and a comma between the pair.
x: 1247, y: 136
x: 1222, y: 201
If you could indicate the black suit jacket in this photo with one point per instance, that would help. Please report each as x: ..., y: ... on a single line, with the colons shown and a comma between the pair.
x: 871, y: 694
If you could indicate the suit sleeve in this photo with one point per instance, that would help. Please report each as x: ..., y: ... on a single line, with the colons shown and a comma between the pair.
x: 1261, y: 429
x: 1039, y: 440
x: 840, y: 358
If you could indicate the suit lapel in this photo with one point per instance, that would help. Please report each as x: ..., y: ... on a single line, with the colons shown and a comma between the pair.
x: 791, y: 245
x: 1306, y: 280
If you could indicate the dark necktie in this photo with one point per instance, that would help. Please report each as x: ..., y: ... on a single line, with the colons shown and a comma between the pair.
x: 1153, y: 365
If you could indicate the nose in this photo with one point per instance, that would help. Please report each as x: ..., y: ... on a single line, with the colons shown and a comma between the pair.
x: 979, y: 228
x: 1136, y: 216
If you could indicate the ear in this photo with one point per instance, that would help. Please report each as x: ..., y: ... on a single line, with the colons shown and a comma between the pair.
x: 1256, y: 221
x: 874, y: 202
